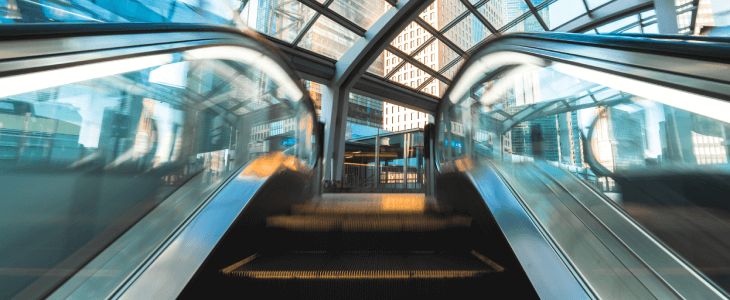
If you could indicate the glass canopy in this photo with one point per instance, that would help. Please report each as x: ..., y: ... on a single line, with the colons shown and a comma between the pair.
x: 430, y: 46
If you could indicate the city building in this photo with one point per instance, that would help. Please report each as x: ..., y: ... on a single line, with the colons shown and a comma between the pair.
x: 436, y: 55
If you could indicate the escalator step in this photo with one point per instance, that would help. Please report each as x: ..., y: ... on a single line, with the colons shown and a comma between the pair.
x: 371, y: 222
x: 363, y: 265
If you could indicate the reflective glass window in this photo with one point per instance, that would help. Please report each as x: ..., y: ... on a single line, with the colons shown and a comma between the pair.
x: 219, y: 12
x: 510, y: 10
x: 531, y: 24
x: 560, y: 12
x: 283, y: 20
x: 619, y: 24
x: 82, y: 160
x: 362, y: 13
x: 593, y: 4
x: 658, y: 156
x: 328, y: 38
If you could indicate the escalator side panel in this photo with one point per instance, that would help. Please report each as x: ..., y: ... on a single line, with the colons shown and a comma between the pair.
x: 549, y: 275
x: 248, y: 233
x: 460, y: 193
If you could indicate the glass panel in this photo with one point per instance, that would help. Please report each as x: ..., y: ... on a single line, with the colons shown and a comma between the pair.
x: 445, y: 12
x: 663, y: 161
x: 82, y: 162
x: 408, y: 75
x: 378, y: 66
x: 431, y: 16
x: 427, y: 89
x: 509, y: 11
x: 145, y: 11
x: 468, y: 33
x: 315, y: 93
x: 562, y: 11
x: 451, y: 72
x: 616, y: 25
x: 438, y: 88
x: 367, y: 113
x: 363, y: 13
x: 528, y: 25
x: 429, y: 55
x: 283, y: 20
x: 684, y: 20
x: 652, y: 29
x: 390, y: 62
x: 636, y: 29
x: 648, y: 14
x: 410, y: 38
x: 328, y: 38
x: 593, y: 4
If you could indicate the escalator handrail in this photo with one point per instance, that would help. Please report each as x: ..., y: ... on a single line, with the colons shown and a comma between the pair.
x: 668, y: 62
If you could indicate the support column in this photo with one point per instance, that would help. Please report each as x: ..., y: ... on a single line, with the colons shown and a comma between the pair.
x: 405, y: 160
x: 666, y: 14
x: 334, y: 114
x: 376, y: 174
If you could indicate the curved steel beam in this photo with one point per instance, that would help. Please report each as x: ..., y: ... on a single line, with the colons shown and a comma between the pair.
x: 363, y: 53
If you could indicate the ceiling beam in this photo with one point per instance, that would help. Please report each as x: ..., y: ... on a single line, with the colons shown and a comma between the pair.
x: 385, y: 90
x: 418, y: 64
x: 355, y: 62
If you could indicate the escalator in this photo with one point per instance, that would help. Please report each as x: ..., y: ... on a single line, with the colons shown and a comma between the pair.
x: 360, y: 247
x: 567, y: 167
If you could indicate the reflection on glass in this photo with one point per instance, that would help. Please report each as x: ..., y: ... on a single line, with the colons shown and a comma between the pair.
x: 593, y: 4
x: 328, y: 38
x: 399, y: 156
x: 83, y: 162
x: 467, y: 32
x: 440, y: 14
x: 531, y: 24
x: 619, y: 24
x: 665, y: 166
x: 363, y: 13
x: 220, y: 12
x: 283, y: 20
x: 560, y: 12
x: 510, y: 10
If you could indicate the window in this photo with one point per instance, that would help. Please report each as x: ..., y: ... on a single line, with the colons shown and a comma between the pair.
x: 399, y: 118
x: 411, y: 33
x: 431, y: 57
